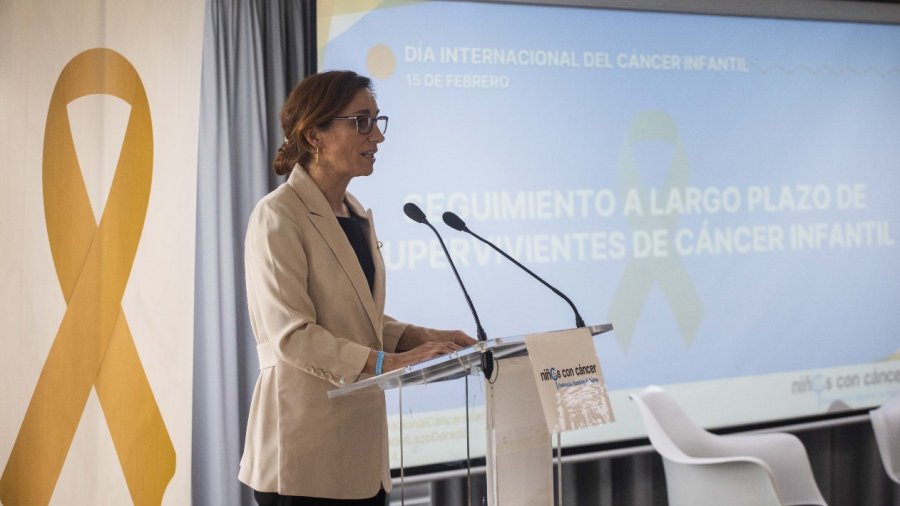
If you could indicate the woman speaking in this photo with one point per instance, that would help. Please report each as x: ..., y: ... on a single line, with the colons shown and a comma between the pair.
x: 315, y: 289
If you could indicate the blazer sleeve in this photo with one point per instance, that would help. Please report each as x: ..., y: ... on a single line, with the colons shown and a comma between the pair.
x: 392, y: 331
x: 282, y: 311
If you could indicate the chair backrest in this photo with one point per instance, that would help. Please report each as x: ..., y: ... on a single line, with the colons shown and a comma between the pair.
x: 886, y: 425
x: 658, y: 436
x: 693, y: 480
x: 677, y: 427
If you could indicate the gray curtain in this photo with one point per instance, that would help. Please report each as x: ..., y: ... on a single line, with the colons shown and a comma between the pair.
x: 253, y: 54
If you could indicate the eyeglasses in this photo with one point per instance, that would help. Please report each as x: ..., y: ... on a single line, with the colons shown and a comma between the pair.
x: 364, y: 123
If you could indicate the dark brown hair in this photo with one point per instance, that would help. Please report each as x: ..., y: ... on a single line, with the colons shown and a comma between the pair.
x: 312, y: 103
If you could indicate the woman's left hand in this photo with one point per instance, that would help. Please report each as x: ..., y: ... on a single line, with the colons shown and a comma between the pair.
x: 454, y: 336
x: 416, y: 336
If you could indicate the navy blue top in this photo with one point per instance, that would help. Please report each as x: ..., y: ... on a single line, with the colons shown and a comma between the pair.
x: 360, y: 242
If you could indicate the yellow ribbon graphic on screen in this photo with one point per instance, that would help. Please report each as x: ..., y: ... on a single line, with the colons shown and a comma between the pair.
x: 93, y: 346
x: 669, y: 271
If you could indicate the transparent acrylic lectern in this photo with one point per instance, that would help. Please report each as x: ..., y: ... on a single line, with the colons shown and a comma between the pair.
x: 518, y: 446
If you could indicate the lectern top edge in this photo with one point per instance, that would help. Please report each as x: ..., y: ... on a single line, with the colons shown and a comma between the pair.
x: 453, y: 365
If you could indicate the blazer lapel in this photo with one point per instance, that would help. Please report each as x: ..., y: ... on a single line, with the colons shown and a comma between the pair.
x: 322, y: 217
x: 379, y: 285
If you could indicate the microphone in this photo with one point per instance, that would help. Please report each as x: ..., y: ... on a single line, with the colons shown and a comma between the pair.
x: 455, y: 222
x: 416, y: 214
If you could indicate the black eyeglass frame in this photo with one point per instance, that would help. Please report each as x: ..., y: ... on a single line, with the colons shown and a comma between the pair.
x: 371, y: 121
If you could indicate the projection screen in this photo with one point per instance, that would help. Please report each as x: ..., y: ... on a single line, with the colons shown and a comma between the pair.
x: 721, y: 189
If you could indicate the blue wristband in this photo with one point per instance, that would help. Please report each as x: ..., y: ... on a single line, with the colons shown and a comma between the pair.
x: 379, y: 363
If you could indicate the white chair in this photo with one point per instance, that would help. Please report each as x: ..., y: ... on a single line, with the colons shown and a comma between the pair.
x: 886, y: 425
x: 703, y: 469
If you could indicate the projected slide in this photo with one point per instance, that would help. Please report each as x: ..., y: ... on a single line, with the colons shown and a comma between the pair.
x: 723, y: 190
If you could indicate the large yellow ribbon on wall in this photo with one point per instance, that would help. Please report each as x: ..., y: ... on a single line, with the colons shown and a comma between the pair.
x: 93, y: 346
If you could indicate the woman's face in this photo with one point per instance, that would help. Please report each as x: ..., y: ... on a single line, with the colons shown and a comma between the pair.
x: 344, y: 151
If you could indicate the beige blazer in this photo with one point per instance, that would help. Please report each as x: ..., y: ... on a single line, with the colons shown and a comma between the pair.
x: 315, y: 321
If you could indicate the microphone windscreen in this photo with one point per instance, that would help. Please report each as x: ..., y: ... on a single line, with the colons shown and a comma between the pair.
x: 453, y: 221
x: 414, y: 213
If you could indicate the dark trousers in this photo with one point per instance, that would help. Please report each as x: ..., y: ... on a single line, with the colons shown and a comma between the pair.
x: 273, y: 499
